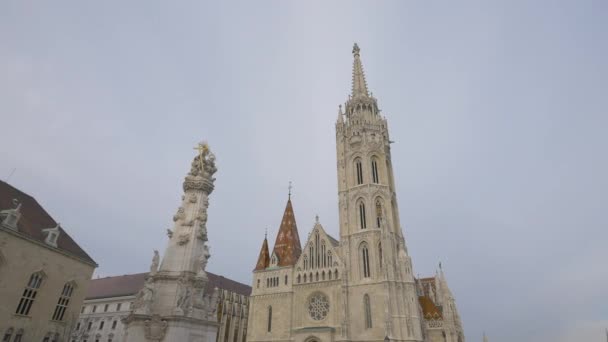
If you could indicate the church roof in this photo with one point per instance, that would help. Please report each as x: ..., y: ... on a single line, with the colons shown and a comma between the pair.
x: 130, y: 284
x: 287, y: 246
x: 34, y: 219
x: 264, y: 258
x: 429, y: 309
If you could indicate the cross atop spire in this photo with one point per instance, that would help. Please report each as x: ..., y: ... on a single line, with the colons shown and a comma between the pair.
x: 359, y: 84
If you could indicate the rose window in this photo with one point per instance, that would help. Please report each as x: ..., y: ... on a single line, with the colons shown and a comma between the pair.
x: 318, y: 306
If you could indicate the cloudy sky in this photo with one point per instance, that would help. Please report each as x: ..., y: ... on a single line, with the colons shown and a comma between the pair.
x: 498, y: 111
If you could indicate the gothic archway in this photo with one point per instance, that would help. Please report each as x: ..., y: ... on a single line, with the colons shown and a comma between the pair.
x: 312, y: 339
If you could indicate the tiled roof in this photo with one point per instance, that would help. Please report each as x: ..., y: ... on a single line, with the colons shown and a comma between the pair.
x: 34, y: 219
x: 130, y: 284
x: 429, y: 309
x: 264, y: 258
x: 287, y: 245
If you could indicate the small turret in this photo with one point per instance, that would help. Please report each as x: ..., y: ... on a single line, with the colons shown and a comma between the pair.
x: 264, y: 258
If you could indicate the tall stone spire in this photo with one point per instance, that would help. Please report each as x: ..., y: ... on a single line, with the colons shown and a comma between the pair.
x: 264, y: 258
x: 287, y: 246
x: 174, y: 302
x: 359, y: 85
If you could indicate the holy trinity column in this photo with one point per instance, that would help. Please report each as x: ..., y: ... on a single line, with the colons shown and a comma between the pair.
x: 175, y: 303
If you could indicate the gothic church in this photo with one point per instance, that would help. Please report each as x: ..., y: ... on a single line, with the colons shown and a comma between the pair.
x: 361, y: 287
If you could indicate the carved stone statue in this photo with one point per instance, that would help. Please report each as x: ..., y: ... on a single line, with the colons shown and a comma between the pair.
x: 144, y: 298
x: 184, y: 299
x: 206, y: 256
x: 155, y: 262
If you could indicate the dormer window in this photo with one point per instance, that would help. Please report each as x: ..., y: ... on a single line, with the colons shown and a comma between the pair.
x: 10, y: 217
x: 52, y: 234
x: 274, y: 260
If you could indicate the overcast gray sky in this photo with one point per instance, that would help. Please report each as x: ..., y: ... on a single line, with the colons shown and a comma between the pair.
x: 498, y: 111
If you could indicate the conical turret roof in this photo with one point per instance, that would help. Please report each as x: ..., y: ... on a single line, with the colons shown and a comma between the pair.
x: 264, y: 258
x: 287, y: 246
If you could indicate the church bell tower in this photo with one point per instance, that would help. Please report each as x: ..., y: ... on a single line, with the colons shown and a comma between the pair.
x: 370, y: 233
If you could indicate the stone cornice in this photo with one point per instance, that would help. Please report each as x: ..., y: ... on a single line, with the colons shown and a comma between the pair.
x: 42, y: 244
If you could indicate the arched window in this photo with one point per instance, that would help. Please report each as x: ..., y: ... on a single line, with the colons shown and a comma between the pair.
x: 359, y: 171
x: 285, y: 279
x: 375, y: 177
x: 329, y: 261
x: 267, y: 282
x: 323, y: 275
x: 29, y: 294
x: 18, y: 335
x: 378, y: 213
x: 380, y: 253
x: 368, y: 312
x: 323, y: 255
x: 63, y: 302
x: 299, y: 279
x: 336, y: 274
x: 329, y: 274
x: 305, y: 277
x: 7, y: 335
x: 258, y: 283
x: 305, y: 262
x: 269, y: 318
x: 365, y: 261
x: 311, y: 249
x: 362, y: 221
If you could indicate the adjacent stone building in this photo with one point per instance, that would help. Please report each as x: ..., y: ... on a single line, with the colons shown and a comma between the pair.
x: 362, y: 286
x: 44, y: 274
x: 109, y: 299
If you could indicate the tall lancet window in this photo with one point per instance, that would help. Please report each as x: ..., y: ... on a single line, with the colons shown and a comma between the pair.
x: 269, y: 318
x: 365, y: 261
x: 63, y: 302
x: 378, y: 214
x: 359, y: 170
x: 362, y: 221
x: 375, y: 177
x: 29, y: 294
x: 368, y: 312
x: 380, y: 254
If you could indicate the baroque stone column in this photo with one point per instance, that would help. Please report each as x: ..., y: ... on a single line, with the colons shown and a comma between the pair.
x: 176, y: 303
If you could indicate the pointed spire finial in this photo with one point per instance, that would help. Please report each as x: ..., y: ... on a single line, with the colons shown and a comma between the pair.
x: 356, y: 49
x: 317, y: 219
x: 290, y: 187
x: 265, y: 233
x: 359, y: 84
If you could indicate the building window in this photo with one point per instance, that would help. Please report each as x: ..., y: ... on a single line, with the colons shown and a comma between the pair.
x: 269, y: 318
x: 7, y: 335
x: 114, y: 325
x: 359, y: 170
x: 285, y: 279
x: 64, y: 301
x: 362, y: 221
x: 89, y: 326
x: 101, y: 324
x: 78, y: 326
x: 380, y: 253
x: 258, y: 283
x: 378, y: 214
x: 118, y: 306
x: 18, y: 336
x: 82, y: 309
x: 299, y: 279
x: 29, y: 294
x: 375, y: 171
x: 368, y: 312
x: 94, y: 308
x: 105, y: 308
x: 365, y: 261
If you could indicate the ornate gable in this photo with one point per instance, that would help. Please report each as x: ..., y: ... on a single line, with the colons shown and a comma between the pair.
x: 319, y: 255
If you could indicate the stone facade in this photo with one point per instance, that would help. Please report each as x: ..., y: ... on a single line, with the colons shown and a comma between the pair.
x: 44, y: 274
x: 362, y: 287
x: 109, y: 300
